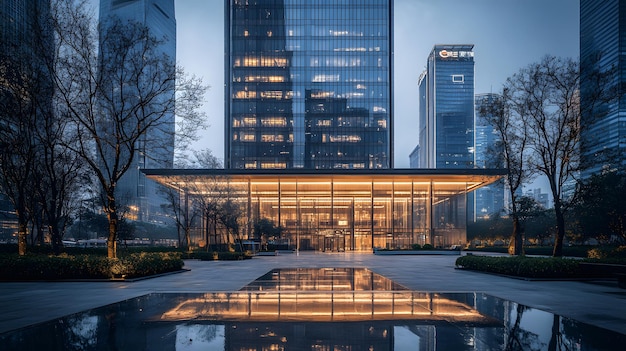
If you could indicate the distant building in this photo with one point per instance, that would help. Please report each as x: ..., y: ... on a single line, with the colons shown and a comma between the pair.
x: 135, y: 190
x: 446, y: 96
x: 542, y: 199
x: 414, y: 157
x: 308, y: 86
x: 603, y: 48
x: 488, y: 200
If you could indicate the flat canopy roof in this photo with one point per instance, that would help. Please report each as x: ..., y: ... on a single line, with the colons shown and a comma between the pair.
x: 474, y: 177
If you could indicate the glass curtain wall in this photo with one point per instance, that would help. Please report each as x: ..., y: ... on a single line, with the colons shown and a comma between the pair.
x: 308, y: 84
x: 335, y: 215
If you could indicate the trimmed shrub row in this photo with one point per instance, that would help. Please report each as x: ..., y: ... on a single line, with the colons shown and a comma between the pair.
x: 571, y: 251
x: 529, y: 267
x: 42, y: 267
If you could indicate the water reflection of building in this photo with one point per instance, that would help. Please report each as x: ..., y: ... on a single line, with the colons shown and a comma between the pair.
x: 347, y: 210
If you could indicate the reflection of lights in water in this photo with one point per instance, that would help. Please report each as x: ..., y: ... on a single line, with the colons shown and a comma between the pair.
x: 322, y: 294
x: 324, y: 319
x: 307, y: 306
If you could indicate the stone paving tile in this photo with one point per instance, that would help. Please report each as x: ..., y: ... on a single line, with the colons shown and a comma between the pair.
x: 604, y: 305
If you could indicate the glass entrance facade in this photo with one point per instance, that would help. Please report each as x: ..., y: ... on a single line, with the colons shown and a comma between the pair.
x: 352, y: 211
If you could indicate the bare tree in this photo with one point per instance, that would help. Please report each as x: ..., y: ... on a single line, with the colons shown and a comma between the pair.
x: 183, y: 210
x: 229, y: 217
x: 189, y: 200
x: 60, y: 174
x: 120, y: 92
x: 511, y: 151
x: 18, y: 103
x: 548, y: 93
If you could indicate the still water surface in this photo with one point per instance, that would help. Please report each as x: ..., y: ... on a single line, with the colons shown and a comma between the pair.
x: 314, y: 309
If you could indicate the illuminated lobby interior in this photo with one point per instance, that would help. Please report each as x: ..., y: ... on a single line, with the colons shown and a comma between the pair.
x: 335, y: 211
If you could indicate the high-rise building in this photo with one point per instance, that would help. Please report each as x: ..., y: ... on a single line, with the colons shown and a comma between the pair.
x: 19, y: 21
x: 308, y: 84
x: 603, y: 49
x: 446, y: 120
x: 488, y: 200
x: 156, y: 149
x: 25, y: 46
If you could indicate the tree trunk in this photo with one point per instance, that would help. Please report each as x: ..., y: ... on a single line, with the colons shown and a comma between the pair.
x: 516, y: 242
x: 22, y: 233
x: 215, y: 233
x: 560, y: 231
x: 207, y: 232
x: 188, y: 238
x: 113, y: 220
x: 40, y: 234
x: 55, y: 238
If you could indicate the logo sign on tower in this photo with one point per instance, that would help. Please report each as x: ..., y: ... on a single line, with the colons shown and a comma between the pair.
x: 455, y: 54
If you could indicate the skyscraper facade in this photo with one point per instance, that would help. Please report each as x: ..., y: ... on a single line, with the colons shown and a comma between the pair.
x: 18, y: 22
x: 308, y: 84
x: 603, y: 49
x: 25, y: 46
x: 446, y: 95
x: 488, y: 200
x: 156, y: 149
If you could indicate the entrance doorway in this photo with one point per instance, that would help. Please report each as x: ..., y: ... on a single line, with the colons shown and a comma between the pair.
x: 334, y: 243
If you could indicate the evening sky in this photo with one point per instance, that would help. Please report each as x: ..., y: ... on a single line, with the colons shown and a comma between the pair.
x: 507, y: 34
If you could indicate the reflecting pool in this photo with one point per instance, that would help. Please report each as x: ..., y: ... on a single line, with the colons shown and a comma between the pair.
x: 314, y: 309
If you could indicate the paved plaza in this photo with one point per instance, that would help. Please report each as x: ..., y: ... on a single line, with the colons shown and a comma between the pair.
x: 598, y: 303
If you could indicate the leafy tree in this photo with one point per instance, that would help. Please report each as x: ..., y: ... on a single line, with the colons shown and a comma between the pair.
x: 89, y: 222
x: 229, y: 217
x: 601, y: 209
x: 117, y: 92
x: 264, y: 229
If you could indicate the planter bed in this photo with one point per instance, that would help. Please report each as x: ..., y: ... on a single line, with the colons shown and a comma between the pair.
x: 417, y: 252
x: 543, y: 268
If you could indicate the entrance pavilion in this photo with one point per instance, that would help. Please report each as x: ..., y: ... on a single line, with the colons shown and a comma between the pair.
x: 337, y: 210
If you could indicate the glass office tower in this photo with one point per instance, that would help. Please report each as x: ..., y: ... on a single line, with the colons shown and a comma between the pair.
x: 156, y: 149
x: 308, y: 84
x: 488, y: 200
x: 446, y: 93
x: 603, y: 48
x: 23, y: 42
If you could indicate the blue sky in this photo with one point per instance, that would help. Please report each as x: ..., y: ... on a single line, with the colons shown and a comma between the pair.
x: 507, y: 34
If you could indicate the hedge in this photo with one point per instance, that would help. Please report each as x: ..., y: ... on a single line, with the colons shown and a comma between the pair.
x: 44, y: 267
x: 521, y: 266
